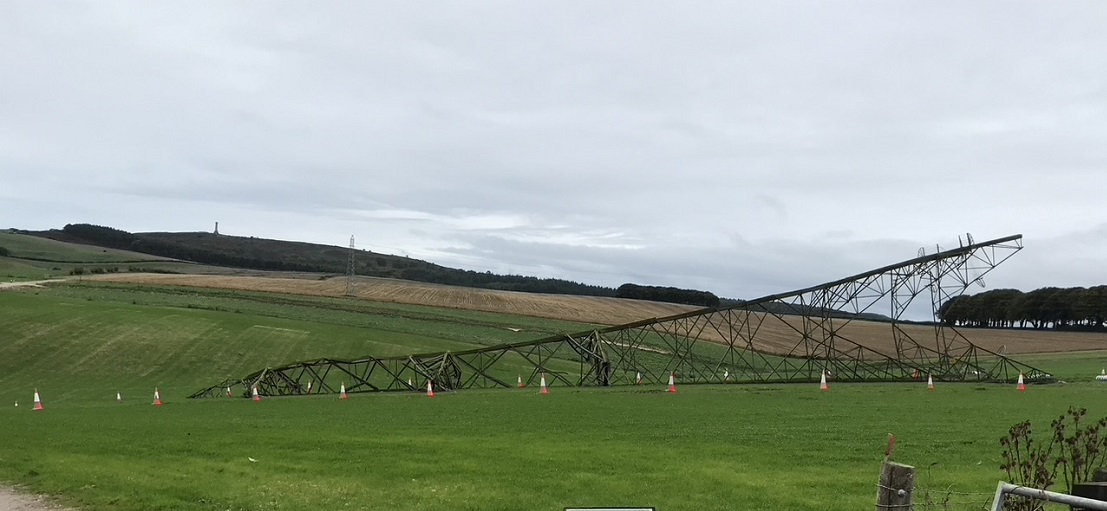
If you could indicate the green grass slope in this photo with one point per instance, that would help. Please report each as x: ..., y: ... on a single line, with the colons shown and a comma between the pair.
x: 708, y: 447
x: 14, y: 270
x: 36, y: 258
x: 279, y: 255
x: 29, y: 247
x: 82, y: 342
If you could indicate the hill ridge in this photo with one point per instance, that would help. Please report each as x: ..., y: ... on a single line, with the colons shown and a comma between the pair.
x: 281, y: 255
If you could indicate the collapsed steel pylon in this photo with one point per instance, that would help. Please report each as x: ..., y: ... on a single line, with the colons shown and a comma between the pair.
x: 786, y: 337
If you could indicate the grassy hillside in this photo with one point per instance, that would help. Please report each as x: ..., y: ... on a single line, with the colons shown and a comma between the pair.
x: 34, y: 258
x: 12, y: 270
x: 36, y: 248
x: 704, y: 448
x: 278, y: 255
x: 82, y: 341
x: 775, y: 335
x: 590, y: 309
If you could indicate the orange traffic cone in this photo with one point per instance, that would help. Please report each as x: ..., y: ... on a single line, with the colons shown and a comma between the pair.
x: 930, y: 383
x: 257, y: 397
x: 822, y: 383
x: 1022, y: 384
x: 342, y: 392
x: 38, y: 402
x: 638, y: 379
x: 309, y: 386
x: 543, y: 383
x: 157, y: 397
x: 520, y: 382
x: 229, y: 392
x: 672, y: 384
x: 915, y: 375
x: 430, y: 389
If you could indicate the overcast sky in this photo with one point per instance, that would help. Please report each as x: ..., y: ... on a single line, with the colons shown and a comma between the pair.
x: 745, y: 148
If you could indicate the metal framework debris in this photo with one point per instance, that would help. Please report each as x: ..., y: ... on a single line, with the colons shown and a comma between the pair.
x: 786, y: 337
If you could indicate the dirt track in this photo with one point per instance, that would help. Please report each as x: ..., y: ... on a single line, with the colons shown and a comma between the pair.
x: 29, y: 283
x: 10, y: 500
x: 774, y: 335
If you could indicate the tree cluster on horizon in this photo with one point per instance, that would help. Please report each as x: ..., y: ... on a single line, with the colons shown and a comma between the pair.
x: 668, y: 294
x: 1074, y: 308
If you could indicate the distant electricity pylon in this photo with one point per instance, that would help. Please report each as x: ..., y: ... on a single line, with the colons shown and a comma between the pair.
x: 350, y: 270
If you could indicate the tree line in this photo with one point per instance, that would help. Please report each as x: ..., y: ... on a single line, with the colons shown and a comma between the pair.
x: 1074, y: 308
x: 119, y: 239
x: 668, y: 294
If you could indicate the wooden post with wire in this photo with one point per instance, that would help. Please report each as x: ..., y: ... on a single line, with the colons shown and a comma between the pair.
x: 897, y: 483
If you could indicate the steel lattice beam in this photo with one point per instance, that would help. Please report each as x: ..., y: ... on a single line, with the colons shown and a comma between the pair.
x: 710, y: 345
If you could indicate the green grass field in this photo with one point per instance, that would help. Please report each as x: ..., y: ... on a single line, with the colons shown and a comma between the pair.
x: 88, y: 340
x: 706, y: 447
x: 33, y: 247
x: 35, y: 258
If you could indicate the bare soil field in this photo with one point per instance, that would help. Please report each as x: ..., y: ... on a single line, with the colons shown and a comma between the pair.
x: 774, y: 335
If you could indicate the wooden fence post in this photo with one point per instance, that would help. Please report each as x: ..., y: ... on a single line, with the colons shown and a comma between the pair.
x: 897, y: 487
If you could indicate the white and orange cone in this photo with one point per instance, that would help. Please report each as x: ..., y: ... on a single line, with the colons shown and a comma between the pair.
x: 520, y: 385
x: 1022, y: 384
x: 410, y: 384
x: 822, y: 383
x: 229, y: 392
x: 342, y: 392
x: 672, y: 384
x: 726, y: 375
x: 38, y: 402
x: 638, y: 379
x: 257, y: 397
x: 118, y: 397
x: 915, y: 375
x: 309, y: 386
x: 430, y: 389
x: 930, y: 383
x: 543, y: 384
x: 157, y: 397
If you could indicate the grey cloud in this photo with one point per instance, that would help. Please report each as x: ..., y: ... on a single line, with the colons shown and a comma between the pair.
x: 745, y: 147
